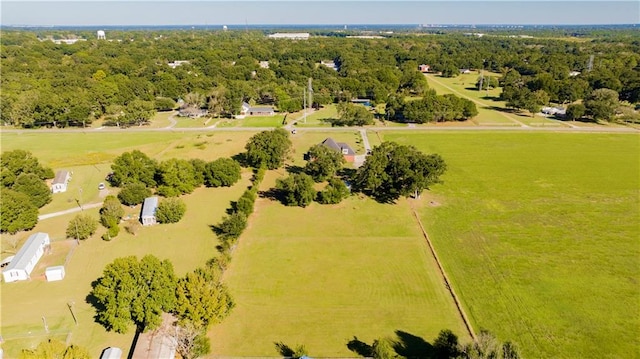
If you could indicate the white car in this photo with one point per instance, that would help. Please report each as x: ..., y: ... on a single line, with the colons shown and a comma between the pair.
x: 101, y: 186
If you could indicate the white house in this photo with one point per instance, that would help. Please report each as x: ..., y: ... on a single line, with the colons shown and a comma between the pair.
x: 290, y: 35
x: 27, y: 257
x: 248, y: 110
x: 148, y: 213
x: 54, y: 273
x: 60, y: 182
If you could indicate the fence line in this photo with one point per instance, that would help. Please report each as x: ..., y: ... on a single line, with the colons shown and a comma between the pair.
x: 447, y: 283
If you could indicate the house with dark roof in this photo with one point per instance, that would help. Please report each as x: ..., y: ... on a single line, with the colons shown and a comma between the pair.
x: 27, y: 257
x: 346, y: 150
x: 60, y: 182
x: 191, y: 111
x: 248, y: 110
x: 148, y: 212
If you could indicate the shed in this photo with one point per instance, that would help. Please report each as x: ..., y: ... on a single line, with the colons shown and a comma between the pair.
x: 27, y: 257
x: 60, y: 182
x: 111, y: 353
x: 148, y: 212
x: 54, y: 273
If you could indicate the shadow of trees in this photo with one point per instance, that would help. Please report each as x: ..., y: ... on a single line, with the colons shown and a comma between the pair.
x: 410, y: 346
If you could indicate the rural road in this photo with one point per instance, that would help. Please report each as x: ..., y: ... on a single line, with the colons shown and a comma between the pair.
x: 67, y: 211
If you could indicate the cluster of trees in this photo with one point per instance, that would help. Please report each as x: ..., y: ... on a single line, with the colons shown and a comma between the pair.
x: 68, y: 85
x: 393, y: 170
x: 23, y: 190
x: 430, y: 108
x: 55, y: 349
x: 137, y: 292
x: 352, y: 115
x: 268, y: 149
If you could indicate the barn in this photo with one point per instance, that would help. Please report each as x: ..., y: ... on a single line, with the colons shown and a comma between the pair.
x: 27, y: 257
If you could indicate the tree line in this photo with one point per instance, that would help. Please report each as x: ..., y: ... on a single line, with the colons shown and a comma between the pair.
x: 124, y: 82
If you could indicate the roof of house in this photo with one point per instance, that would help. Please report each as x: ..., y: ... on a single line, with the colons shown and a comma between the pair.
x: 28, y: 250
x: 149, y: 207
x: 338, y: 146
x: 61, y: 177
x: 257, y: 108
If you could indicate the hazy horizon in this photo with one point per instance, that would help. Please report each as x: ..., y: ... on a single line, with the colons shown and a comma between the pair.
x: 280, y: 13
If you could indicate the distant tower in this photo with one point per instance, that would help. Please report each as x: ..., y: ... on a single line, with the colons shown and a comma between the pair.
x: 101, y: 35
x: 590, y: 64
x: 224, y: 28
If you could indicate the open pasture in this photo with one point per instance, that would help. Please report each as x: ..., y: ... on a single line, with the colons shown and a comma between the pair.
x: 539, y: 235
x: 322, y: 275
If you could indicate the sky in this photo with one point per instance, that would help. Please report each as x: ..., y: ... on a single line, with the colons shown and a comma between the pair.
x: 298, y: 12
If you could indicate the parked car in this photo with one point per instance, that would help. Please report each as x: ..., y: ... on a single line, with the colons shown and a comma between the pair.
x: 101, y: 186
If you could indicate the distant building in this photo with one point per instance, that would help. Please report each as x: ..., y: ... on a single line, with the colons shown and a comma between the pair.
x: 101, y: 35
x: 148, y: 212
x: 192, y: 112
x: 346, y: 150
x: 54, y: 273
x: 111, y: 353
x: 465, y: 71
x: 290, y: 35
x: 177, y: 63
x: 574, y: 73
x: 248, y: 110
x: 554, y: 111
x: 27, y: 257
x: 362, y: 101
x: 424, y: 68
x: 60, y: 182
x: 330, y: 64
x: 66, y: 41
x: 264, y: 64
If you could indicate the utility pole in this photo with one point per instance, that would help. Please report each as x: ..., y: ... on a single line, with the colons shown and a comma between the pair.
x: 73, y: 314
x: 304, y: 103
x: 46, y: 327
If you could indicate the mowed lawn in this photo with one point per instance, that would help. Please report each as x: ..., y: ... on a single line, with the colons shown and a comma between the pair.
x: 321, y: 275
x: 539, y: 234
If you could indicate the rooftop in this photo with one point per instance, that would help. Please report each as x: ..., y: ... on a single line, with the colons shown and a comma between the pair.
x: 28, y: 250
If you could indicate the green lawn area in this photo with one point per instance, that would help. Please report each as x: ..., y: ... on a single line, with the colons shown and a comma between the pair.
x: 491, y: 111
x: 253, y: 121
x: 315, y: 118
x: 321, y: 275
x: 539, y: 234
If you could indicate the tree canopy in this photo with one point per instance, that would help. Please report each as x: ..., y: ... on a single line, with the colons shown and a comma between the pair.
x: 393, y: 170
x: 170, y: 210
x: 268, y: 148
x: 134, y: 292
x: 82, y: 226
x: 296, y: 189
x: 222, y: 172
x: 132, y: 167
x: 323, y: 162
x: 16, y: 162
x: 34, y: 187
x: 17, y: 213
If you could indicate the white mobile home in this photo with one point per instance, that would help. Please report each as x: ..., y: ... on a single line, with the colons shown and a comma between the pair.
x: 27, y: 257
x: 148, y: 213
x: 60, y: 182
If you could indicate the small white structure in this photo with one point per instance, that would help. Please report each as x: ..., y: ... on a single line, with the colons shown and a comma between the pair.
x: 111, y: 353
x: 177, y: 63
x: 101, y: 35
x: 290, y: 35
x: 27, y: 257
x: 54, y: 273
x: 148, y: 213
x: 60, y: 182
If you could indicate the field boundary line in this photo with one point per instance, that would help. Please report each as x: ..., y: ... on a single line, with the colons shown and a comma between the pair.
x: 447, y: 283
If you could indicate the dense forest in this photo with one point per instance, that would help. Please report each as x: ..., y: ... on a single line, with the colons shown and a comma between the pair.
x: 125, y: 79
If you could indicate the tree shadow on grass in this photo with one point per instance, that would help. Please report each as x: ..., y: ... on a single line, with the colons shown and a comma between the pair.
x: 273, y: 194
x: 405, y: 344
x: 293, y: 169
x: 284, y: 349
x: 241, y: 158
x: 97, y: 305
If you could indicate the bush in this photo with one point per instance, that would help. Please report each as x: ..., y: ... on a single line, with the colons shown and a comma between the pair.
x: 111, y: 211
x: 232, y: 226
x: 134, y: 193
x: 222, y: 172
x: 132, y: 227
x: 246, y: 202
x: 82, y: 227
x: 111, y: 233
x: 334, y: 193
x: 171, y: 210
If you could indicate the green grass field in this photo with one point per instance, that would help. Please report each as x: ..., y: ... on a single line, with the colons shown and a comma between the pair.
x: 321, y: 275
x: 539, y: 234
x: 315, y: 119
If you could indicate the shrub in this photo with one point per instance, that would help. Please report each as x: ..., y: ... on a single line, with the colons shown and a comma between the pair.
x: 134, y: 193
x: 171, y: 210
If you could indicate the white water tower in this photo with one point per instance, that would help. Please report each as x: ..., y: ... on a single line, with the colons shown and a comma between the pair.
x: 101, y: 35
x: 224, y: 28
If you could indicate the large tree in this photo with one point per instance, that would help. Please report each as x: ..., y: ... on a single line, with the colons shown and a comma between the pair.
x: 171, y: 210
x: 15, y: 162
x: 393, y: 170
x: 82, y: 226
x: 34, y: 187
x: 55, y: 349
x: 133, y: 193
x: 334, y: 192
x: 221, y: 172
x: 601, y: 104
x: 176, y: 177
x: 17, y: 213
x: 111, y: 211
x: 268, y: 148
x: 297, y: 189
x: 323, y: 162
x: 132, y: 167
x: 202, y: 299
x: 134, y: 292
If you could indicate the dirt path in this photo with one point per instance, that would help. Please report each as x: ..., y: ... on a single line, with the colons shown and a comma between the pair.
x: 67, y: 211
x: 476, y: 101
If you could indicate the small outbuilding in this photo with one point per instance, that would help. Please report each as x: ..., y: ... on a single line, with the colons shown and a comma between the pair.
x: 60, y: 182
x: 111, y: 353
x: 27, y: 257
x: 54, y: 273
x: 148, y: 212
